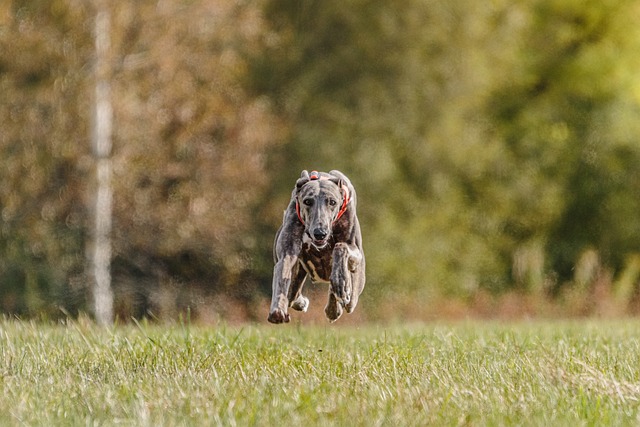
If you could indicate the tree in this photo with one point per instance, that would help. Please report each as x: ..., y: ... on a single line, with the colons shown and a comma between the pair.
x: 568, y: 119
x: 471, y: 130
x: 189, y: 151
x: 189, y: 147
x: 43, y: 152
x: 100, y: 259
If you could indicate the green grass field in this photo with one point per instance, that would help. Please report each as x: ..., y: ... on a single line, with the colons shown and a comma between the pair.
x: 484, y: 373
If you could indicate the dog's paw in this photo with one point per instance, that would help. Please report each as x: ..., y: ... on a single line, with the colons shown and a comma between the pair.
x: 333, y: 310
x: 301, y: 304
x: 341, y: 288
x: 278, y: 316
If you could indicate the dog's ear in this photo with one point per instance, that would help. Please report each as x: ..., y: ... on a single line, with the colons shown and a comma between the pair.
x: 304, y: 178
x: 337, y: 181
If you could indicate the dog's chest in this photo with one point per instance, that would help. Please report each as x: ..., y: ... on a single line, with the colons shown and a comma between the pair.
x: 317, y: 263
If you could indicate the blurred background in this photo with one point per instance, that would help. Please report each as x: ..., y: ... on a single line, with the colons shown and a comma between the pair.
x: 495, y: 148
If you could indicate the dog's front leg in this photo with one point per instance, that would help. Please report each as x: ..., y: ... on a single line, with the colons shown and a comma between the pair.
x: 282, y: 273
x: 346, y: 259
x: 333, y: 309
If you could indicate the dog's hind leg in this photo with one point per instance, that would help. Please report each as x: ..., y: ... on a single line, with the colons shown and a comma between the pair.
x: 296, y: 300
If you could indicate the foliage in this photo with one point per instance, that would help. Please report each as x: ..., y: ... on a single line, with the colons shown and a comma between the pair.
x: 188, y: 144
x: 478, y: 374
x: 493, y: 145
x: 43, y: 151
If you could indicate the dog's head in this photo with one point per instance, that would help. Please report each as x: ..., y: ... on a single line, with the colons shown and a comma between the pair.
x: 321, y: 199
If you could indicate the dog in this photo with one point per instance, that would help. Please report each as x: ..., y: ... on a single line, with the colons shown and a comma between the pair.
x: 319, y: 238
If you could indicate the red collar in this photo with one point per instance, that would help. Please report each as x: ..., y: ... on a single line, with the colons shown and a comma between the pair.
x: 346, y: 198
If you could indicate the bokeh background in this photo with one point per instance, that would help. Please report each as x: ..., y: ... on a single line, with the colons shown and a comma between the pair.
x: 495, y: 148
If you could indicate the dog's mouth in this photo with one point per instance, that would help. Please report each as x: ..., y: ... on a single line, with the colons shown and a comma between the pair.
x: 319, y: 244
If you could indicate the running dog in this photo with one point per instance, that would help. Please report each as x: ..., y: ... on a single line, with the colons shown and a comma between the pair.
x: 319, y: 238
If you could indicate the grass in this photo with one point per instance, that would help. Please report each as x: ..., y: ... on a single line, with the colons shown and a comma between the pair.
x: 535, y: 373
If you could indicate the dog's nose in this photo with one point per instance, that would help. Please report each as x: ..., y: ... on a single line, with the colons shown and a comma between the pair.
x: 319, y: 234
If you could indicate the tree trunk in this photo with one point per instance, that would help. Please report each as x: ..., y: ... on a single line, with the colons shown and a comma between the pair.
x: 100, y: 254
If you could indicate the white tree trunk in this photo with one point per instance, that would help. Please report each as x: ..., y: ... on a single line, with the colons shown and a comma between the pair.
x: 100, y: 254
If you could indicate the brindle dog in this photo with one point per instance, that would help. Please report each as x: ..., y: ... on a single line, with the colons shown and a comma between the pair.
x: 319, y: 238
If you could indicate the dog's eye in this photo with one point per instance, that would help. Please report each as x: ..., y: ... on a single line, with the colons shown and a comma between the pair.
x: 332, y: 202
x: 308, y: 202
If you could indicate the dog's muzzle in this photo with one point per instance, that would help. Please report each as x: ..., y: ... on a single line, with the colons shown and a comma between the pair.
x: 319, y: 238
